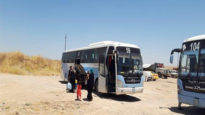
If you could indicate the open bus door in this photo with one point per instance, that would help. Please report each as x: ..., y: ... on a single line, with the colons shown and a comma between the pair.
x: 111, y: 68
x: 111, y: 77
x: 101, y: 82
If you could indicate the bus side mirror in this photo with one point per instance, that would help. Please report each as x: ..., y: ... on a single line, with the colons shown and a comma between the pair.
x: 171, y: 59
x: 179, y: 50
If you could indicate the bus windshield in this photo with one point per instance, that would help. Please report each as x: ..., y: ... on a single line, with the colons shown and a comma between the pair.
x: 129, y: 61
x: 202, y: 63
x: 189, y: 62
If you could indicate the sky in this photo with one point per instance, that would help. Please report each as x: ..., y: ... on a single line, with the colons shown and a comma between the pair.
x: 38, y: 27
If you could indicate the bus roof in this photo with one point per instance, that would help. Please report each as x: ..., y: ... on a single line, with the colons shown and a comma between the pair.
x: 195, y: 38
x: 103, y: 44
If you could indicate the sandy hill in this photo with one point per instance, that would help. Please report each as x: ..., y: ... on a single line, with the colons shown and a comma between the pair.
x: 19, y: 63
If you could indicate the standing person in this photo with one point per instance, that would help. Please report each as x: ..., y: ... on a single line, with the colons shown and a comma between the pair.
x: 90, y: 85
x: 79, y: 87
x: 80, y: 74
x: 86, y: 79
x: 72, y: 78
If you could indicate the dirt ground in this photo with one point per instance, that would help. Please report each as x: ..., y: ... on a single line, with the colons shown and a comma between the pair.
x: 23, y: 95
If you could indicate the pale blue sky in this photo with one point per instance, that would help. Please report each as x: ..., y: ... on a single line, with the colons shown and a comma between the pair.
x: 38, y: 27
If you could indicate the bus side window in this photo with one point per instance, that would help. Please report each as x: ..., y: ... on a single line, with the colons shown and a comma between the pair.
x: 65, y: 58
x: 91, y: 56
x: 84, y: 56
x: 72, y: 57
x: 96, y: 56
x: 88, y: 56
x: 78, y: 54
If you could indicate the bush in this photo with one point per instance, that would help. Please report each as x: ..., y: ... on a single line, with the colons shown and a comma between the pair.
x: 19, y: 63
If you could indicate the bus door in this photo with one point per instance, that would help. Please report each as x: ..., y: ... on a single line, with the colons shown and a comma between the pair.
x: 101, y: 83
x: 188, y: 71
x: 111, y: 74
x: 111, y: 81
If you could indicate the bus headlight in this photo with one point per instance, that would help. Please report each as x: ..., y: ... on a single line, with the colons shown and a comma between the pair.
x: 119, y: 83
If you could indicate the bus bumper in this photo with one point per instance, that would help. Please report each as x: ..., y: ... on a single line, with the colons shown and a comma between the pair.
x: 198, y: 102
x: 129, y: 90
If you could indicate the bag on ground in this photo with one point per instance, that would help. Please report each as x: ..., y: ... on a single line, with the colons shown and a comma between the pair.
x: 69, y: 86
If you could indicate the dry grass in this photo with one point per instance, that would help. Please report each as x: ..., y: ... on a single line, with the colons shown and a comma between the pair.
x: 21, y: 64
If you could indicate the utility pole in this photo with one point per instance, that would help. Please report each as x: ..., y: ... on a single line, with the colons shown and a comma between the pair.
x: 65, y: 41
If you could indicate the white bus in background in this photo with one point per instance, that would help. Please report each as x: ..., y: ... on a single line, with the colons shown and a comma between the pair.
x: 117, y: 66
x: 191, y: 74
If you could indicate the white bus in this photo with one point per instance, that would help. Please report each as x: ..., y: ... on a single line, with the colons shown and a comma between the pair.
x: 117, y: 66
x: 191, y: 75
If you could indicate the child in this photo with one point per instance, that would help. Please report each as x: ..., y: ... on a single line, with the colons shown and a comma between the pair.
x: 79, y: 86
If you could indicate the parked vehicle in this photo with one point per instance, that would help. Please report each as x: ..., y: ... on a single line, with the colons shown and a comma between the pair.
x: 154, y: 76
x: 191, y: 79
x: 162, y: 72
x: 173, y: 73
x: 148, y: 75
x: 153, y: 67
x: 117, y: 66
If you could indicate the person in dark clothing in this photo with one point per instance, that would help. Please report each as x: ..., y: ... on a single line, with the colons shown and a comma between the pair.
x: 80, y: 74
x: 86, y: 79
x: 71, y: 76
x: 90, y: 85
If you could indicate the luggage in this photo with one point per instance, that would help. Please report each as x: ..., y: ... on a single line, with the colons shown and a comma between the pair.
x: 68, y: 86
